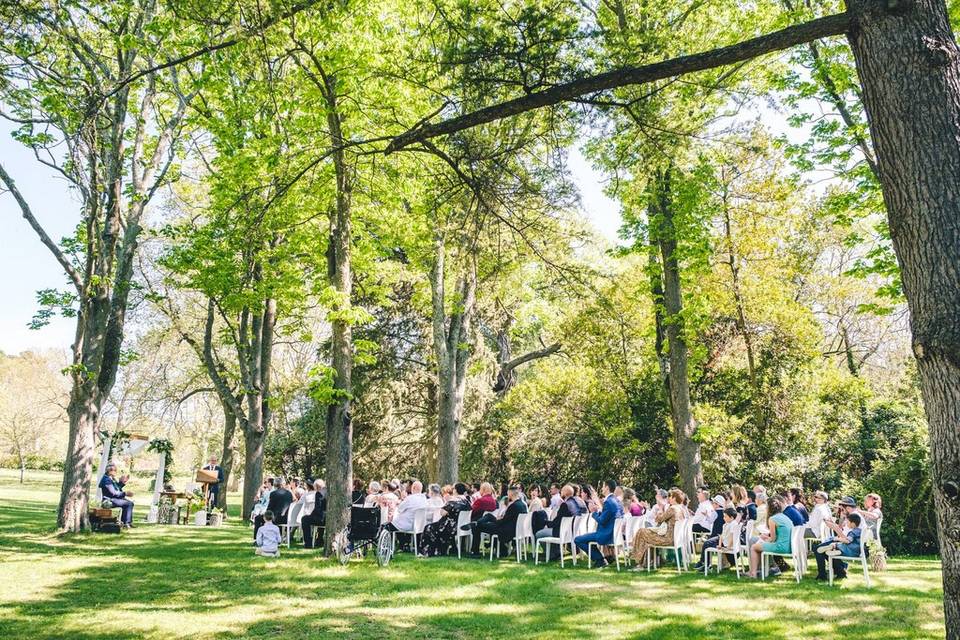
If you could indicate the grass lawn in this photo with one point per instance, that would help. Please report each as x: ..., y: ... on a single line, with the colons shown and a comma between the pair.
x: 186, y: 582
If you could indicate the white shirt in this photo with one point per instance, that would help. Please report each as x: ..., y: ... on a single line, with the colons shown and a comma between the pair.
x: 705, y: 515
x: 820, y: 513
x: 555, y: 501
x: 406, y: 510
x: 268, y: 537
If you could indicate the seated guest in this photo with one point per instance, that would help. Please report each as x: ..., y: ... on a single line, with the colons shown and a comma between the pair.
x: 373, y: 494
x: 295, y: 489
x: 630, y: 503
x: 447, y: 493
x: 820, y: 514
x: 590, y: 497
x: 725, y: 538
x: 761, y: 509
x: 434, y: 497
x: 706, y: 514
x: 268, y: 537
x: 743, y: 504
x: 505, y: 527
x: 440, y: 536
x: 797, y: 517
x: 845, y: 508
x: 279, y: 504
x: 871, y: 514
x: 776, y: 541
x: 668, y: 516
x: 605, y: 516
x: 535, y: 506
x: 796, y: 496
x: 569, y: 508
x: 845, y: 544
x: 405, y: 518
x: 476, y: 492
x: 555, y: 497
x: 484, y: 503
x: 359, y: 494
x: 263, y: 497
x: 313, y: 513
x: 112, y: 490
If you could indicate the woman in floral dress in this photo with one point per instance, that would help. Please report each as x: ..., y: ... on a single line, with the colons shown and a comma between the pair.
x: 440, y: 536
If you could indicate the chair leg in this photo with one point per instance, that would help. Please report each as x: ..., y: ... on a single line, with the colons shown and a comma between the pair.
x: 866, y: 573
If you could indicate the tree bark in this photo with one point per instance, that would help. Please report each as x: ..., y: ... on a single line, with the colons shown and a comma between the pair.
x: 909, y: 67
x: 736, y: 288
x: 252, y: 467
x: 450, y: 335
x: 684, y: 424
x: 227, y: 452
x: 339, y: 427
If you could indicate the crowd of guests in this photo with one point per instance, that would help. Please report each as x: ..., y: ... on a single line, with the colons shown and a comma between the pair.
x: 716, y: 517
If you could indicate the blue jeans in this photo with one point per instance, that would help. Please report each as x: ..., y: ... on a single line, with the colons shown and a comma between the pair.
x: 583, y: 541
x: 126, y: 506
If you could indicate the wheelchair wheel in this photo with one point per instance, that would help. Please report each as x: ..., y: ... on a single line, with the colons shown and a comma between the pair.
x: 384, y: 548
x: 341, y: 546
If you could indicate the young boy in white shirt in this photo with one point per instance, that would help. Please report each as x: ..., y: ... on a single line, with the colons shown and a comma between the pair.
x: 268, y: 537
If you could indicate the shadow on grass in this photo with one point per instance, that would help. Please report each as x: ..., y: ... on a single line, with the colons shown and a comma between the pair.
x: 205, y: 582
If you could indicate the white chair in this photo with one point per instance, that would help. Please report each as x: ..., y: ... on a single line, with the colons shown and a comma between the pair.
x: 522, y: 525
x: 463, y: 518
x: 293, y: 521
x: 736, y: 551
x: 528, y: 534
x: 798, y: 552
x: 630, y: 528
x: 419, y: 522
x: 579, y: 528
x: 679, y: 546
x: 865, y: 538
x: 617, y: 544
x: 565, y: 538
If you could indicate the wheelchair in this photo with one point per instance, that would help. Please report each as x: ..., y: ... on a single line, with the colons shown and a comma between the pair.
x: 364, y: 531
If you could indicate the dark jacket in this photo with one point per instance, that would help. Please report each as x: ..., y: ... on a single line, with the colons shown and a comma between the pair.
x: 111, y: 488
x: 279, y: 503
x: 216, y: 485
x: 507, y: 525
x: 569, y: 508
x: 717, y: 528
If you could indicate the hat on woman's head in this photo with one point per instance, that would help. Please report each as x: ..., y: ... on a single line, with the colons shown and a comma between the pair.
x: 720, y: 501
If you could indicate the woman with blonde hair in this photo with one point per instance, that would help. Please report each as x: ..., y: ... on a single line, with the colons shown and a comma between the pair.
x: 872, y: 514
x: 646, y: 538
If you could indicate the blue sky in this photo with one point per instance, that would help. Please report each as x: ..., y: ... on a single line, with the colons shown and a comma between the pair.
x: 28, y: 266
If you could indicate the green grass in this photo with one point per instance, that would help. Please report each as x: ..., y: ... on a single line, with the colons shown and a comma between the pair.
x: 185, y: 582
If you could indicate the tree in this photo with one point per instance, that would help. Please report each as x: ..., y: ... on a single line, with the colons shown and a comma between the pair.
x: 907, y: 60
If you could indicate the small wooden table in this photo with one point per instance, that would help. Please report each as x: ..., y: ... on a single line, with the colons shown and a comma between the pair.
x: 180, y: 495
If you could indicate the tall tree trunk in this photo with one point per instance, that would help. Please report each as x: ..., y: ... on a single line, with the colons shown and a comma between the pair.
x: 736, y: 288
x: 684, y: 425
x: 909, y: 67
x: 452, y: 353
x: 252, y: 467
x: 227, y: 452
x: 339, y: 428
x: 83, y: 413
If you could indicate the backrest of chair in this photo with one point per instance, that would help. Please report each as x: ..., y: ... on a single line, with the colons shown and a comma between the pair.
x: 687, y: 532
x: 528, y: 526
x: 580, y: 524
x: 751, y: 525
x: 737, y: 529
x: 824, y: 532
x: 566, y: 529
x: 618, y: 525
x: 384, y: 514
x: 798, y: 547
x: 463, y: 518
x: 420, y: 519
x: 293, y: 514
x: 523, y: 521
x: 865, y: 537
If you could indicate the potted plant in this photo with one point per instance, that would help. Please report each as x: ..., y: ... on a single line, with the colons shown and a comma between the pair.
x: 215, y: 519
x: 200, y: 518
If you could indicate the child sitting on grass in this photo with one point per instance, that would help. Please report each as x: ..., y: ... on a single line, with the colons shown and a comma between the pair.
x: 268, y: 537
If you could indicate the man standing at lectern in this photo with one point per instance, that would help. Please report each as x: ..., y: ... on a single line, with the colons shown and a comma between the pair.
x: 213, y: 489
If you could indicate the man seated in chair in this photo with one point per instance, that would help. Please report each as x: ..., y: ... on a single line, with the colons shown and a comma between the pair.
x: 505, y: 528
x: 606, y: 517
x: 112, y: 490
x: 405, y: 516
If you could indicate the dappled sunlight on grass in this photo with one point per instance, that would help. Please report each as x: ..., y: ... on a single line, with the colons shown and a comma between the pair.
x: 198, y: 583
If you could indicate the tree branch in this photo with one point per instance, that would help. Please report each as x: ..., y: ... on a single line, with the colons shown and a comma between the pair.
x: 71, y: 271
x: 777, y: 41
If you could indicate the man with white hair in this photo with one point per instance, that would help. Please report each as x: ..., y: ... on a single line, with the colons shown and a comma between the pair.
x: 405, y: 516
x: 705, y: 516
x: 112, y: 490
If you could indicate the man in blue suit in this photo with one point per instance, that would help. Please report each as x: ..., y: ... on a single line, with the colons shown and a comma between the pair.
x: 606, y: 517
x: 112, y: 490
